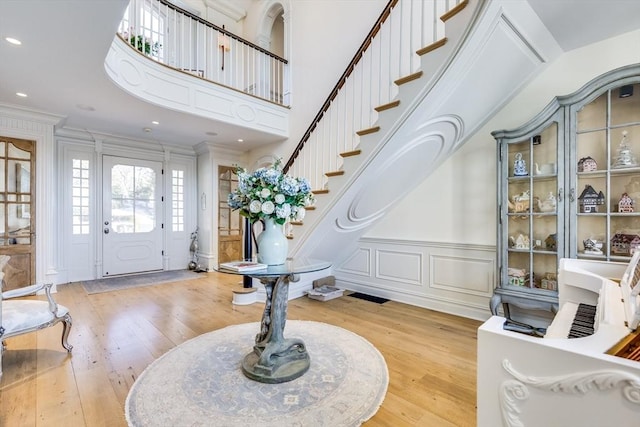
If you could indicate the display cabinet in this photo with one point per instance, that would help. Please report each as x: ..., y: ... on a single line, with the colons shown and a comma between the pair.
x: 568, y: 187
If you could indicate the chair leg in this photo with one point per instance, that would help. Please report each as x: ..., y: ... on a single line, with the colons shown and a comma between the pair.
x: 66, y: 328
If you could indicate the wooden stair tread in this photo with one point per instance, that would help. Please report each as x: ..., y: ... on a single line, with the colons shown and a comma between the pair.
x: 351, y: 153
x: 454, y: 11
x: 409, y: 78
x: 321, y: 191
x: 387, y: 106
x: 368, y: 131
x: 334, y: 173
x: 433, y: 46
x: 295, y: 222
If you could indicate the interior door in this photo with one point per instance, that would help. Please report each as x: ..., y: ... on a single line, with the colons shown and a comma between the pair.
x: 17, y: 211
x: 132, y: 216
x: 229, y: 222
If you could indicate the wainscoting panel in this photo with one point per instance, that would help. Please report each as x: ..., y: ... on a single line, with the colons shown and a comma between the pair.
x: 466, y: 275
x: 400, y: 266
x: 448, y: 277
x: 359, y: 263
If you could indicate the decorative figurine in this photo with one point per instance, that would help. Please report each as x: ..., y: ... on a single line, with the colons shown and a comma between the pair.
x: 545, y: 169
x: 548, y: 205
x: 625, y: 204
x: 517, y: 276
x: 519, y: 166
x: 587, y: 164
x: 520, y: 202
x: 625, y: 158
x: 592, y: 246
x: 590, y: 199
x: 551, y: 242
x: 625, y: 243
x: 549, y: 282
x: 521, y: 241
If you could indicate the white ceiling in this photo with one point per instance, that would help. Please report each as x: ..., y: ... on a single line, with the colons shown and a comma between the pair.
x: 60, y: 65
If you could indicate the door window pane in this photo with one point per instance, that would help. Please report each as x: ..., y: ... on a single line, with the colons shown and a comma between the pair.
x: 132, y: 199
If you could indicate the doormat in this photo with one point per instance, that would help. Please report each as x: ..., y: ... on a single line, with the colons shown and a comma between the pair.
x: 138, y: 280
x: 366, y: 297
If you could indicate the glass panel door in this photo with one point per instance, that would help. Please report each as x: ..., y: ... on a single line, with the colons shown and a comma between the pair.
x: 17, y: 210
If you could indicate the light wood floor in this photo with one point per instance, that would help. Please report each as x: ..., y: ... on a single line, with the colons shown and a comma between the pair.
x: 431, y: 356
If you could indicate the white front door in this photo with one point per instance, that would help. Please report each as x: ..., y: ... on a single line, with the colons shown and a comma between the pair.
x: 132, y: 216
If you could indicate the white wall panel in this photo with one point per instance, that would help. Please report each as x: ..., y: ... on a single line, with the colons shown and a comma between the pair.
x: 359, y: 263
x: 466, y: 275
x: 453, y: 278
x: 400, y: 266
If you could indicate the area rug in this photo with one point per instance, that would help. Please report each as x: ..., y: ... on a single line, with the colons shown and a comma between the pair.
x: 134, y: 281
x: 200, y: 382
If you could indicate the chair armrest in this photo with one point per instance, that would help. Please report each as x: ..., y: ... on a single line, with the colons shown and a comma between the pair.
x: 23, y: 292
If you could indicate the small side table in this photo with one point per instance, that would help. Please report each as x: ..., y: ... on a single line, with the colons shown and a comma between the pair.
x: 276, y: 359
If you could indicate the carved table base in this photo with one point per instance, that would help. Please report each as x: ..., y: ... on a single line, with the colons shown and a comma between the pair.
x: 275, y: 359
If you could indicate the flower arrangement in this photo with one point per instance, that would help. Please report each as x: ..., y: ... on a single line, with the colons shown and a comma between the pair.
x: 267, y: 193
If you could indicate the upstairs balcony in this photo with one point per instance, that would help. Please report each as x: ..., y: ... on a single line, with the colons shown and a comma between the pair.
x: 170, y: 57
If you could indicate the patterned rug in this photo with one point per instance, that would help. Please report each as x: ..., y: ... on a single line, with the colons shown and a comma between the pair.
x: 200, y: 382
x: 137, y: 280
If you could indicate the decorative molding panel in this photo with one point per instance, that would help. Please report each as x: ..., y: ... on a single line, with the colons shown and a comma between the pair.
x: 467, y: 275
x: 401, y: 266
x: 579, y: 383
x: 455, y: 278
x: 359, y: 263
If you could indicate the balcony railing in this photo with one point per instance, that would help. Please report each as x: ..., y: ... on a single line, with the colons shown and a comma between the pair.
x: 188, y: 43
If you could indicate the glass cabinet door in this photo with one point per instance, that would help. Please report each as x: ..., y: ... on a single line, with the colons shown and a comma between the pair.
x: 531, y: 213
x: 607, y: 182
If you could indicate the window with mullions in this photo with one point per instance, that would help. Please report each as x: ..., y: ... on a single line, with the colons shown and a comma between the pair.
x: 80, y: 196
x: 143, y: 25
x: 177, y: 200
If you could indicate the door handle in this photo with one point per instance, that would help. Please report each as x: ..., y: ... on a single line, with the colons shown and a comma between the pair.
x: 106, y: 230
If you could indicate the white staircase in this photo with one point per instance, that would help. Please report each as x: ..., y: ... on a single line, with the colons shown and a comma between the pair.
x: 492, y: 50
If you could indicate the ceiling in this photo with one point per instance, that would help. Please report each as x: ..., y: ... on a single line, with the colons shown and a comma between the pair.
x: 60, y: 66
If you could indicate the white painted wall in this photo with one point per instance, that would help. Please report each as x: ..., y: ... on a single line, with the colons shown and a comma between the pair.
x: 457, y: 203
x: 320, y: 45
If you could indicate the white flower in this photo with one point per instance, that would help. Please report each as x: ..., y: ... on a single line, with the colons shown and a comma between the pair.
x: 300, y: 214
x: 280, y: 199
x: 268, y: 208
x: 265, y: 192
x: 283, y: 211
x: 255, y: 206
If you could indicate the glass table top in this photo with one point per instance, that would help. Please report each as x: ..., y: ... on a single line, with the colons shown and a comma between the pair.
x: 291, y: 266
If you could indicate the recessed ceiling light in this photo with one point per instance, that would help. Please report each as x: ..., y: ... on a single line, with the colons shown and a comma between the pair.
x: 212, y: 133
x: 13, y: 41
x: 21, y: 95
x: 85, y: 107
x: 147, y: 130
x: 240, y: 140
x: 155, y: 122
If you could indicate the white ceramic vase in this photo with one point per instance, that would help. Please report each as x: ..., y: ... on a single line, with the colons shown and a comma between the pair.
x: 272, y: 244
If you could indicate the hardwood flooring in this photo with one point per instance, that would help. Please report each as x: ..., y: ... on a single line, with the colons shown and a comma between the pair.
x: 431, y: 356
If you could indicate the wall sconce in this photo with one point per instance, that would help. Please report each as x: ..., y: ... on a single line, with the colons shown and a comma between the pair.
x: 626, y: 91
x: 225, y: 45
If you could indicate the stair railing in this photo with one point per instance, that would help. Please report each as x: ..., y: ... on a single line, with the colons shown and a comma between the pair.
x: 181, y: 40
x: 387, y: 55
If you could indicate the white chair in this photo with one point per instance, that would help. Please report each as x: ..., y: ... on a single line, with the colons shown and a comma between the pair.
x: 21, y: 316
